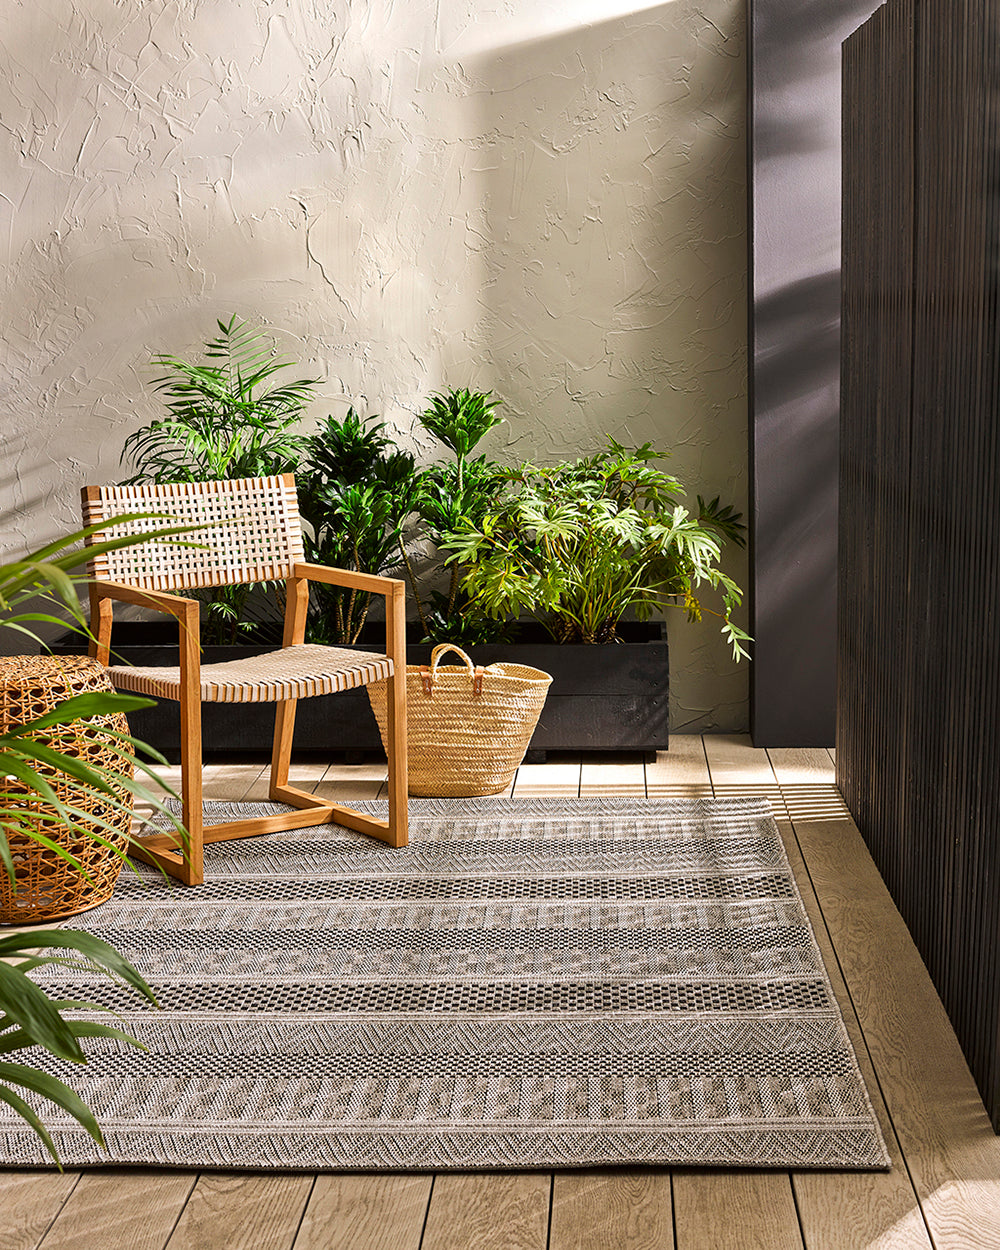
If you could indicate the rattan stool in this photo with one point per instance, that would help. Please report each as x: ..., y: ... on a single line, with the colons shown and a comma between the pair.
x: 46, y: 887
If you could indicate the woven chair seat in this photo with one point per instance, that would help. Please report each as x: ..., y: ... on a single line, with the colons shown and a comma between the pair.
x: 299, y: 672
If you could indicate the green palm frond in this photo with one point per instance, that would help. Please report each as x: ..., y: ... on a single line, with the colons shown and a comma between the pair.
x: 30, y: 807
x: 226, y: 418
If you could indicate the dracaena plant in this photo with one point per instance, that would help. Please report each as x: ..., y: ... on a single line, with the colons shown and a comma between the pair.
x: 356, y: 493
x: 455, y: 495
x: 32, y: 591
x: 227, y: 417
x: 579, y: 545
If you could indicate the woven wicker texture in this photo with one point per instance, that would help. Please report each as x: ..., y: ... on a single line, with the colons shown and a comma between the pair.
x: 47, y: 887
x: 255, y: 534
x: 292, y: 673
x: 467, y: 728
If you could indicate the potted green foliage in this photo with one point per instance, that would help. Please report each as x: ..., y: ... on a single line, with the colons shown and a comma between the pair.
x: 227, y: 417
x: 454, y: 494
x: 356, y: 496
x: 359, y: 495
x: 578, y: 554
x: 579, y: 546
x: 590, y: 552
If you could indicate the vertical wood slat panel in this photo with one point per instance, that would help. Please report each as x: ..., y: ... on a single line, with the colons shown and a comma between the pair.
x: 918, y: 740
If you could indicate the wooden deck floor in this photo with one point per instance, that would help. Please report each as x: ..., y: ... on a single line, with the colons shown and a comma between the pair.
x: 943, y: 1190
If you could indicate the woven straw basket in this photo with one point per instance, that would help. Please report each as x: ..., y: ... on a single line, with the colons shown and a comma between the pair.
x: 45, y: 886
x: 467, y: 728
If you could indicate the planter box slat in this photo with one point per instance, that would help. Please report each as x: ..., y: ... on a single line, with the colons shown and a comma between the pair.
x: 602, y: 698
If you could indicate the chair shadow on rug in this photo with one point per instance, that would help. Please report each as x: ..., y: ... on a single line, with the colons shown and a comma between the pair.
x: 252, y: 533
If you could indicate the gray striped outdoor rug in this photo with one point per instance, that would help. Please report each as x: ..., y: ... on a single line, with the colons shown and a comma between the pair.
x: 535, y: 983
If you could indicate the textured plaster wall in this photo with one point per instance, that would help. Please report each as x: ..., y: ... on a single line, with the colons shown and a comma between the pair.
x: 546, y: 200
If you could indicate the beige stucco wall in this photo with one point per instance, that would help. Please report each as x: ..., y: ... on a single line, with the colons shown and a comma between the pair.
x: 547, y: 200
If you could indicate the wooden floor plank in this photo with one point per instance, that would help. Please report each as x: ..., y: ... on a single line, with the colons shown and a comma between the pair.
x: 740, y: 770
x: 611, y: 774
x: 681, y: 772
x: 950, y: 1148
x: 844, y: 1210
x: 611, y: 1210
x: 242, y: 1211
x: 219, y: 782
x: 555, y: 778
x: 162, y: 776
x: 353, y: 782
x: 365, y: 1213
x: 488, y: 1211
x: 234, y: 782
x: 735, y: 1211
x: 29, y: 1202
x: 121, y: 1209
x: 304, y: 775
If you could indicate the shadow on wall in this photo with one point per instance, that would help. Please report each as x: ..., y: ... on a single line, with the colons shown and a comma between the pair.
x: 796, y: 362
x: 805, y: 32
x: 612, y: 179
x: 799, y: 372
x: 613, y: 185
x: 797, y: 353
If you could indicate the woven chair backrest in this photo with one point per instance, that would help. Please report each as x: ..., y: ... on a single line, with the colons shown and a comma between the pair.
x: 253, y: 532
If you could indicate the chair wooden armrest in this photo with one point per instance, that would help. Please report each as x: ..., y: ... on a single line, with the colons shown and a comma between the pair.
x: 102, y: 595
x: 386, y: 586
x: 159, y: 600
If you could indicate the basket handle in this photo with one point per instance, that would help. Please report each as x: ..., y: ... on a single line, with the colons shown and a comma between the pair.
x: 427, y: 675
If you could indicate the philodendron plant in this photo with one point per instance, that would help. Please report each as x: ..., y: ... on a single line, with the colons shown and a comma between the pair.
x: 30, y: 807
x: 579, y: 545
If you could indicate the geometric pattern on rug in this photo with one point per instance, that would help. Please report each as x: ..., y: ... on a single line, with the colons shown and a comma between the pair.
x: 531, y: 983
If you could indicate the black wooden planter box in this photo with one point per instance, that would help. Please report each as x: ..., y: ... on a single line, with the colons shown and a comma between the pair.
x: 602, y: 698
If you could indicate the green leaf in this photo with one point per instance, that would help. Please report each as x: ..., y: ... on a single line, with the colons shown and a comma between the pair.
x: 97, y: 951
x: 28, y: 1114
x: 580, y: 544
x: 83, y: 707
x: 17, y: 1040
x: 55, y: 1091
x: 223, y: 420
x: 28, y: 1005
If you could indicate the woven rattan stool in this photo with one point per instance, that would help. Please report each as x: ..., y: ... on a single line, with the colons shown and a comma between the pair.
x: 46, y: 887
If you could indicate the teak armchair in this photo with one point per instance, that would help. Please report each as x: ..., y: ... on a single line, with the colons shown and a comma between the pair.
x: 253, y: 534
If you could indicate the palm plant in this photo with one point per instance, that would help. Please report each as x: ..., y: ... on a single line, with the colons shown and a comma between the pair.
x: 223, y: 420
x: 579, y: 545
x: 32, y: 590
x: 356, y: 495
x: 30, y: 1018
x: 226, y: 418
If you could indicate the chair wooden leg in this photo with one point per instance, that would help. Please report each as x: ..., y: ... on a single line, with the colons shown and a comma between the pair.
x: 281, y: 752
x: 193, y: 869
x: 165, y: 850
x: 396, y: 753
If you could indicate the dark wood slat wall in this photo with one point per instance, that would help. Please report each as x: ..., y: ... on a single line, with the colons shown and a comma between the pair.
x: 918, y: 732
